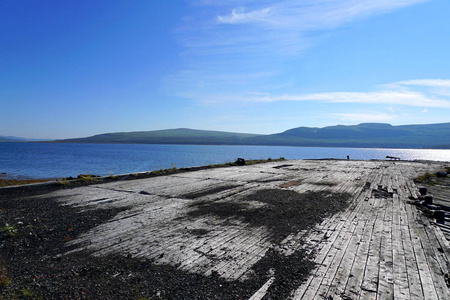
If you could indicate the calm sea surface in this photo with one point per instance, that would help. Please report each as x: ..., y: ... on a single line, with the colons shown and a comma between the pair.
x: 42, y: 160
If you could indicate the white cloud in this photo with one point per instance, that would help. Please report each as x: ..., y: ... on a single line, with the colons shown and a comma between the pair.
x: 237, y: 46
x: 365, y: 117
x: 259, y: 35
x: 407, y: 98
x: 240, y: 16
x: 310, y: 14
x: 393, y: 99
x: 425, y: 82
x: 277, y: 27
x: 439, y: 87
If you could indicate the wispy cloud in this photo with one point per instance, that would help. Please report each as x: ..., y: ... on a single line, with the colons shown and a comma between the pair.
x: 439, y: 87
x: 407, y: 98
x: 251, y: 37
x: 426, y: 82
x: 364, y: 117
x: 240, y: 16
x: 310, y: 14
x: 287, y: 23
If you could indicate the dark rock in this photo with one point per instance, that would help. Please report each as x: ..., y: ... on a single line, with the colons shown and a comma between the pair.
x: 240, y: 161
x: 423, y: 191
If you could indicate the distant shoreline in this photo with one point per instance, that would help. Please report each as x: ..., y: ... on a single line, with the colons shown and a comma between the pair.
x: 443, y: 147
x: 364, y: 135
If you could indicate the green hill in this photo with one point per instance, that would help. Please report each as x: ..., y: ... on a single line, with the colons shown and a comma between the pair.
x: 168, y: 136
x: 363, y: 135
x: 5, y: 139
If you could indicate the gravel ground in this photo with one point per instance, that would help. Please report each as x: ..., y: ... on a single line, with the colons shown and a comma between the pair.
x: 34, y: 262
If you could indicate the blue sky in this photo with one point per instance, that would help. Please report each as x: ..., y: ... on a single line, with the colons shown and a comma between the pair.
x: 79, y: 68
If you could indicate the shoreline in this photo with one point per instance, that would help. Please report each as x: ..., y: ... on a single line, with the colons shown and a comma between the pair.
x: 10, y: 181
x: 34, y: 185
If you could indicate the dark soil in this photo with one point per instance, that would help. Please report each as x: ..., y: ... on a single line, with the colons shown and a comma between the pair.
x: 282, y: 166
x: 289, y: 272
x: 34, y: 262
x: 285, y: 211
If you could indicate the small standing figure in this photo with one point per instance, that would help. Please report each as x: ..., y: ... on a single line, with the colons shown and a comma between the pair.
x: 348, y: 157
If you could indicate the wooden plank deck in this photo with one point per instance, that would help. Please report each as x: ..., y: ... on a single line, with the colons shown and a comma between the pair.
x: 380, y: 247
x: 391, y: 251
x: 441, y: 198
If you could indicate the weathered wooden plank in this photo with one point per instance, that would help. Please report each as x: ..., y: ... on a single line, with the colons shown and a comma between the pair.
x: 347, y: 237
x: 406, y: 191
x: 444, y: 245
x: 438, y: 266
x: 309, y: 289
x: 429, y: 291
x: 348, y: 279
x: 313, y: 281
x: 370, y: 279
x: 386, y: 276
x: 401, y: 286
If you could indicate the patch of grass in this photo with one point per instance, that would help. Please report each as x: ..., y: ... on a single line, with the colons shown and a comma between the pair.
x: 64, y: 182
x: 425, y: 178
x: 11, y: 230
x: 13, y: 182
x: 157, y: 172
x: 86, y: 178
x: 430, y: 178
x: 27, y: 292
x: 4, y: 279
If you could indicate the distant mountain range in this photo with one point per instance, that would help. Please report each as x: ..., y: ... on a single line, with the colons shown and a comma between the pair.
x: 12, y: 139
x: 366, y: 135
x: 15, y: 139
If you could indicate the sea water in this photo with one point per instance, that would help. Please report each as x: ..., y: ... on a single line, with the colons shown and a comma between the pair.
x: 57, y: 160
